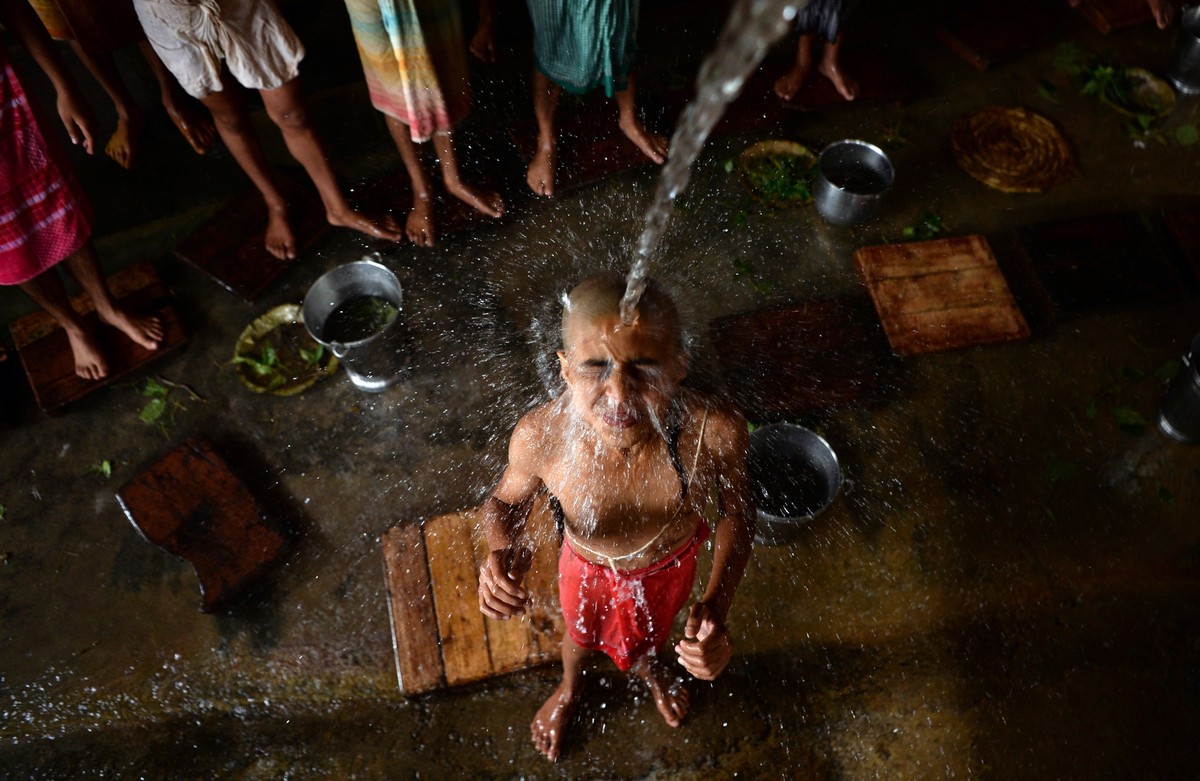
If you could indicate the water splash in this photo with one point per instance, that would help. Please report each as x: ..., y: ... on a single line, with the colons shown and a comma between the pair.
x: 752, y: 27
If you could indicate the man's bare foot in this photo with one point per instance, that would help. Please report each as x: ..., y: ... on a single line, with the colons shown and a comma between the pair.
x: 280, y: 240
x: 540, y: 175
x: 122, y: 147
x: 482, y: 201
x: 194, y: 123
x: 668, y: 689
x: 846, y: 86
x: 89, y: 363
x: 377, y: 229
x: 419, y: 225
x: 653, y: 145
x: 551, y: 719
x: 145, y: 330
x: 789, y: 84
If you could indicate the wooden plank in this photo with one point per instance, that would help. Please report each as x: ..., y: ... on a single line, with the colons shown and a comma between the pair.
x: 45, y: 351
x: 912, y: 333
x: 994, y: 31
x: 1183, y: 223
x: 508, y: 641
x: 544, y: 615
x: 410, y: 610
x: 912, y: 259
x: 392, y: 194
x: 1109, y: 15
x: 453, y: 573
x: 951, y: 289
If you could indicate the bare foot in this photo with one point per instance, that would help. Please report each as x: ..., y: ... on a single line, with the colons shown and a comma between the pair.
x: 482, y: 201
x: 669, y: 690
x: 846, y: 86
x: 787, y: 85
x: 382, y: 229
x: 89, y: 363
x: 540, y: 175
x: 551, y: 719
x: 194, y: 123
x: 419, y: 225
x: 122, y: 147
x: 280, y: 240
x: 653, y: 145
x: 145, y: 330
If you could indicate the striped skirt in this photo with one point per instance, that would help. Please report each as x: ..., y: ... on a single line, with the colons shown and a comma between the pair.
x: 582, y: 45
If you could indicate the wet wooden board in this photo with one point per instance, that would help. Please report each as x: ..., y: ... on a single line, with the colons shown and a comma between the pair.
x: 439, y: 636
x: 943, y: 294
x: 989, y: 33
x: 391, y: 194
x: 230, y: 247
x: 1093, y: 263
x: 803, y: 357
x: 46, y: 354
x: 1183, y: 223
x: 191, y: 505
x: 1109, y: 15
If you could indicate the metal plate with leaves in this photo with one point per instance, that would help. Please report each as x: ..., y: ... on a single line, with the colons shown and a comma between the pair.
x: 276, y: 355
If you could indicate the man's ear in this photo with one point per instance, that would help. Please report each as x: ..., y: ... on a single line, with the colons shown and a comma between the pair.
x: 563, y: 367
x: 682, y: 363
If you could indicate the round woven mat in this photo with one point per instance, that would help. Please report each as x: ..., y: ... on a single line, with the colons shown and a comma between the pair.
x: 1011, y: 149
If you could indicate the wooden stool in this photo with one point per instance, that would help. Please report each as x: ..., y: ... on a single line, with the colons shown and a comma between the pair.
x: 943, y: 294
x: 1183, y: 223
x: 439, y: 635
x: 191, y: 505
x: 986, y: 34
x: 1109, y: 15
x: 46, y: 353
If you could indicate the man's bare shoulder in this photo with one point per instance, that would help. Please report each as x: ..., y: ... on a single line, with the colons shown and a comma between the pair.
x: 537, y: 434
x: 725, y: 427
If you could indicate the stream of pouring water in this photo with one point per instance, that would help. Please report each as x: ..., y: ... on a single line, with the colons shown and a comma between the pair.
x: 753, y: 25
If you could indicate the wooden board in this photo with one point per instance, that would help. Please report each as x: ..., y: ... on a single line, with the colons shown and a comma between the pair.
x: 1183, y: 224
x: 230, y: 247
x: 943, y: 294
x: 392, y: 194
x: 191, y: 505
x: 439, y: 636
x: 1093, y: 263
x: 988, y: 33
x: 1109, y: 15
x: 802, y: 357
x: 45, y: 351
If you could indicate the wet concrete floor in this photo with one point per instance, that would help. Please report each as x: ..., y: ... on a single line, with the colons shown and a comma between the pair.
x: 1007, y: 588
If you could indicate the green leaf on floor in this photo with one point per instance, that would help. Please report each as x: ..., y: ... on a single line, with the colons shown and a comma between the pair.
x: 1132, y: 373
x: 1072, y: 59
x: 153, y: 410
x: 1047, y: 91
x: 929, y: 226
x: 1167, y: 370
x: 1187, y: 135
x: 750, y: 427
x: 728, y: 166
x: 154, y: 388
x: 3, y: 510
x: 1057, y: 469
x: 1165, y: 494
x: 1091, y: 410
x: 1129, y: 420
x: 102, y: 468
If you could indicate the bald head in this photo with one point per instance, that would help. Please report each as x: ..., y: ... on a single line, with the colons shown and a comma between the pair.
x: 598, y: 298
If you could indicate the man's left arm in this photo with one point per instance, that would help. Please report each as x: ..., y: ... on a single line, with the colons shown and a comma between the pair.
x: 707, y: 645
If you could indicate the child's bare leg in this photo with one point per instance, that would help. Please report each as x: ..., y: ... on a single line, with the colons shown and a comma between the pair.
x: 556, y: 712
x: 653, y: 145
x: 540, y: 175
x: 668, y: 689
x: 46, y: 289
x: 482, y: 201
x: 831, y: 68
x: 233, y: 124
x: 419, y: 225
x: 193, y: 122
x: 285, y: 105
x: 145, y: 330
x: 122, y: 147
x: 787, y: 85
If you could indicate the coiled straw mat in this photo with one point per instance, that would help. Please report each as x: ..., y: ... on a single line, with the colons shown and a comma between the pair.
x: 1011, y: 149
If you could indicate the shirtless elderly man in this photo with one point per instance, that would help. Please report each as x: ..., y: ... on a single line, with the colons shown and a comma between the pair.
x: 632, y: 459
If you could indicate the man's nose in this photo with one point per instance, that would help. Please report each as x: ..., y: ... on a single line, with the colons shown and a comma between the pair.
x: 619, y: 386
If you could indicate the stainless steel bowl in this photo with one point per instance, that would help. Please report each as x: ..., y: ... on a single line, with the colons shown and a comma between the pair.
x: 795, y: 476
x: 852, y: 176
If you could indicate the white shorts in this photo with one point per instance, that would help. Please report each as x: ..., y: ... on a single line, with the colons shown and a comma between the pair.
x: 193, y: 36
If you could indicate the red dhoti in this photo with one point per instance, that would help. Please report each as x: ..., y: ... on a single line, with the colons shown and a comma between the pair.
x: 625, y: 613
x: 44, y: 215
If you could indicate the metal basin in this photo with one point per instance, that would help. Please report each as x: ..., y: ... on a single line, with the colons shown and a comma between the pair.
x: 851, y: 177
x: 795, y: 477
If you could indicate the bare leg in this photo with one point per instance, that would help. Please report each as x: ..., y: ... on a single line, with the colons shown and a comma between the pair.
x: 145, y: 330
x: 787, y: 85
x: 195, y: 125
x: 48, y: 292
x: 556, y: 712
x: 668, y: 689
x: 540, y: 175
x: 482, y: 201
x: 419, y: 225
x: 285, y: 105
x: 653, y: 145
x: 831, y: 69
x: 233, y: 123
x: 122, y: 147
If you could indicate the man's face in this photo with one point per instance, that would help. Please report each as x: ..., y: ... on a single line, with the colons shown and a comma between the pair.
x: 621, y: 377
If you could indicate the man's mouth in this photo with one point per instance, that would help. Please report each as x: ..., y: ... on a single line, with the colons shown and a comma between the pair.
x: 619, y: 419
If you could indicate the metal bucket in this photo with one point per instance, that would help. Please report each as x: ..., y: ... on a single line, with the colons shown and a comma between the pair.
x: 851, y: 178
x: 1179, y: 412
x: 1184, y: 73
x: 373, y: 362
x: 794, y: 475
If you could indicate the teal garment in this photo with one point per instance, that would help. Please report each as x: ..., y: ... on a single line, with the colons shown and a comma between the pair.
x: 582, y: 45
